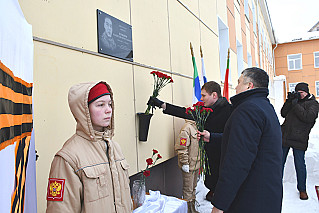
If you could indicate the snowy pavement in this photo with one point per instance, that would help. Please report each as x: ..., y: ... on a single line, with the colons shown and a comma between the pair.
x: 291, y: 202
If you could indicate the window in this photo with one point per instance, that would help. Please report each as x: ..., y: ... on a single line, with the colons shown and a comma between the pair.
x: 294, y: 62
x: 317, y: 88
x: 240, y: 58
x: 254, y: 17
x: 316, y: 58
x: 223, y: 49
x: 250, y: 60
x: 292, y: 86
x: 246, y: 9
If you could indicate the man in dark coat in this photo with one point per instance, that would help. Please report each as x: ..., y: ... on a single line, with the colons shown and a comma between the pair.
x: 300, y: 112
x: 250, y: 170
x: 212, y: 98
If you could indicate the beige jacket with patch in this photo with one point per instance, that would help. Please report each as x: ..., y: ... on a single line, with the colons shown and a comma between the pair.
x: 92, y: 165
x: 186, y: 146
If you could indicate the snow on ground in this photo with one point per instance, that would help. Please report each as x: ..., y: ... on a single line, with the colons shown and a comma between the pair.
x: 291, y: 202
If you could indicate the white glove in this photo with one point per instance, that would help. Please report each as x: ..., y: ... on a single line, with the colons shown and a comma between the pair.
x: 185, y: 168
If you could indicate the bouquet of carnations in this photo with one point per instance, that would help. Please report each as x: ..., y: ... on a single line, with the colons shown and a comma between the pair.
x: 160, y: 81
x: 200, y: 115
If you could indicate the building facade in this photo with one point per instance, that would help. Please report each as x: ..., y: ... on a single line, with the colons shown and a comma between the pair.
x: 66, y: 53
x: 299, y: 62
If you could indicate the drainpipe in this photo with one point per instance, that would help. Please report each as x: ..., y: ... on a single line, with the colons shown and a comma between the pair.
x: 273, y: 59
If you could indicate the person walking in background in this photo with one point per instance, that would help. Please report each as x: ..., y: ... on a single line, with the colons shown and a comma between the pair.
x: 251, y: 155
x: 300, y: 112
x: 90, y: 174
x: 186, y: 147
x: 212, y: 98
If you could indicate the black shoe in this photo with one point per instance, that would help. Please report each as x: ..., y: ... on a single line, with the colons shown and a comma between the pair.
x: 209, y: 195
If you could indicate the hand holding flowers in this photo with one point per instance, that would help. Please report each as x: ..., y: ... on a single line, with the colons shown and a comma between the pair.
x: 160, y: 81
x: 200, y: 115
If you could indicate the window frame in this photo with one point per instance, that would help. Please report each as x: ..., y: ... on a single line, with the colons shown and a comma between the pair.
x: 288, y: 60
x: 314, y: 59
x: 317, y: 88
x: 291, y: 86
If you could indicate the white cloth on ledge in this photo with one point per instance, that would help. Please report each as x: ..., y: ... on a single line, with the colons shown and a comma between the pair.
x: 155, y: 203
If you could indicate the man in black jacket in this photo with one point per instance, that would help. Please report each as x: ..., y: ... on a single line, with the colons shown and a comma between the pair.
x: 300, y: 112
x: 212, y: 98
x: 250, y: 176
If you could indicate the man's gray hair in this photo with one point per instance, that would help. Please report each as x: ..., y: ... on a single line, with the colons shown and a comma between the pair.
x: 257, y: 76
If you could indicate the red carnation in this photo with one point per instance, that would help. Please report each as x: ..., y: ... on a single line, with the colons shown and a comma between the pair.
x: 200, y: 113
x: 160, y: 81
x: 149, y: 161
x: 208, y: 109
x: 154, y: 151
x: 159, y: 156
x: 146, y: 173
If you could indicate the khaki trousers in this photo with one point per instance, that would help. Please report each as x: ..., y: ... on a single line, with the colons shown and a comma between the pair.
x: 189, y: 185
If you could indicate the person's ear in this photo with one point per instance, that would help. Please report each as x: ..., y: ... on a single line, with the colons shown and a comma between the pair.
x: 250, y: 85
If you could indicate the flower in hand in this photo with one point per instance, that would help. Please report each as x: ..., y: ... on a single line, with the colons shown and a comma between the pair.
x: 160, y: 81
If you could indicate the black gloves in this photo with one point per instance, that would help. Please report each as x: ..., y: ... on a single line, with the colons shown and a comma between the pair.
x: 293, y: 97
x: 155, y: 102
x: 290, y: 96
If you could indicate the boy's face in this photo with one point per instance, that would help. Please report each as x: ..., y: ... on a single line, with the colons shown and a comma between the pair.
x: 208, y: 99
x: 101, y: 112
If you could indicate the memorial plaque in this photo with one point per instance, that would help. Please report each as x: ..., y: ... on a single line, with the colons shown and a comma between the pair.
x: 114, y: 37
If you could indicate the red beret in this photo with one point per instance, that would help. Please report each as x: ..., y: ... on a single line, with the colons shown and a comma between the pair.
x: 98, y: 91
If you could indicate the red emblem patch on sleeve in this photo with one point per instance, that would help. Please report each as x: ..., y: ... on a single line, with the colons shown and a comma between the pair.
x: 183, y: 141
x: 55, y: 189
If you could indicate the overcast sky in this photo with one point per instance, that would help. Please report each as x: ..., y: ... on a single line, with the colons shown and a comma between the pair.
x: 292, y: 18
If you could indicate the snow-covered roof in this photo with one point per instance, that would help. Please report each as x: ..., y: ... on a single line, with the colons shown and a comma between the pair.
x: 301, y: 37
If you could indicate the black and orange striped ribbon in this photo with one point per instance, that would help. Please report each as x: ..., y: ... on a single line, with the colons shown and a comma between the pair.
x: 22, y: 153
x: 15, y: 107
x: 16, y: 125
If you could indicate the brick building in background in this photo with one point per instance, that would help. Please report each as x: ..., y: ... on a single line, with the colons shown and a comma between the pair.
x: 298, y: 60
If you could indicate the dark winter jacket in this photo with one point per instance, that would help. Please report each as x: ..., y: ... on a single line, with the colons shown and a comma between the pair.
x: 299, y: 120
x: 251, y: 157
x: 215, y: 123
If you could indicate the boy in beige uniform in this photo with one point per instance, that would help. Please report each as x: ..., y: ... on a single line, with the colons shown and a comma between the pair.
x: 90, y: 173
x: 187, y: 149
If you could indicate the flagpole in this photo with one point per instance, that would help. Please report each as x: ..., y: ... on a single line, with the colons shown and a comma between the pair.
x: 201, y: 52
x: 191, y: 47
x: 204, y: 78
x: 226, y: 86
